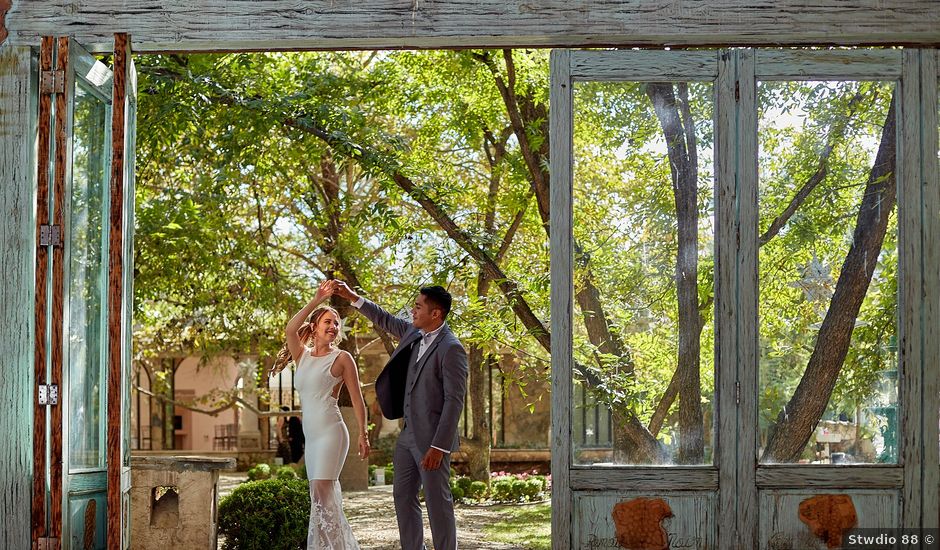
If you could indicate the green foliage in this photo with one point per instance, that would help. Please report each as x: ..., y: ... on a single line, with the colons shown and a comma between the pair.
x: 259, y: 174
x: 286, y: 472
x: 503, y: 488
x: 265, y: 515
x: 477, y: 490
x: 259, y: 471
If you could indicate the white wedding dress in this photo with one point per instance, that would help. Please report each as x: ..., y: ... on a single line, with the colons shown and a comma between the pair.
x: 327, y: 442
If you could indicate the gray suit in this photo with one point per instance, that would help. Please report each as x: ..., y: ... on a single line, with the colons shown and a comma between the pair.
x: 429, y: 394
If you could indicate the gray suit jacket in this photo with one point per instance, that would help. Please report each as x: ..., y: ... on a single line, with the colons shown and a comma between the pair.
x: 433, y: 402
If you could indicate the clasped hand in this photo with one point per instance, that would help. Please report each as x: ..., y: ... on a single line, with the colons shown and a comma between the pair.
x: 330, y: 287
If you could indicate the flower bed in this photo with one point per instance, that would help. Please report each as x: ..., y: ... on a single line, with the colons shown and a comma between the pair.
x: 504, y: 488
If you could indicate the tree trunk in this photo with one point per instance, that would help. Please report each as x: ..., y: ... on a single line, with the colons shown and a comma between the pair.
x: 680, y: 143
x: 796, y: 422
x: 527, y: 114
x: 478, y: 445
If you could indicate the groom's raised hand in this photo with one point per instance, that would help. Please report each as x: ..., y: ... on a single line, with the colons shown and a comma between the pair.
x: 342, y: 290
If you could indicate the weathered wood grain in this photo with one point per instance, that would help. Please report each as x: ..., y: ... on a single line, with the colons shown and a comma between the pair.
x: 910, y: 280
x: 348, y: 24
x: 41, y: 296
x: 747, y: 294
x: 116, y: 354
x: 63, y: 154
x: 828, y: 64
x: 561, y: 125
x: 726, y: 352
x: 644, y: 479
x: 693, y: 524
x: 654, y: 66
x: 830, y: 477
x: 930, y: 185
x: 781, y: 527
x: 18, y: 241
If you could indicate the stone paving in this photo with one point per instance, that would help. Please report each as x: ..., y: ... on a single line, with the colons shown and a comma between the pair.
x: 371, y: 514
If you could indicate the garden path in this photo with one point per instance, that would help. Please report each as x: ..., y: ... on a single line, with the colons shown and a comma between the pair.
x: 371, y: 514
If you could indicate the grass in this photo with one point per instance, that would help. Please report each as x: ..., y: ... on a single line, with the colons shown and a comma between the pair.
x: 527, y: 526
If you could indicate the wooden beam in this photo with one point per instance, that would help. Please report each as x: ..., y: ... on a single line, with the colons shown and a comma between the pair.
x: 380, y: 24
x: 116, y: 341
x: 726, y: 284
x: 18, y: 118
x: 910, y: 298
x: 747, y: 294
x: 805, y: 476
x: 41, y: 318
x: 62, y: 158
x: 652, y: 479
x: 561, y: 126
x: 930, y: 178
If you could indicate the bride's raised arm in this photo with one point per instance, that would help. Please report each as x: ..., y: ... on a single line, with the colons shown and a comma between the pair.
x: 294, y: 345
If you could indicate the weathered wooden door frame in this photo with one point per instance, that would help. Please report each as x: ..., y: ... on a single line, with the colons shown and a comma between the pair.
x: 120, y: 291
x: 739, y: 477
x: 52, y: 386
x: 912, y: 477
x: 567, y: 68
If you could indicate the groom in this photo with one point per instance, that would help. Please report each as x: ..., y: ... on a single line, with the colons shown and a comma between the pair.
x: 424, y: 382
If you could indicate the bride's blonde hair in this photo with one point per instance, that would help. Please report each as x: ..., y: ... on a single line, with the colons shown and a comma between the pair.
x: 305, y: 334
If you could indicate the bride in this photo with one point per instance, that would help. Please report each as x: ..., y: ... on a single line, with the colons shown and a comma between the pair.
x: 321, y: 371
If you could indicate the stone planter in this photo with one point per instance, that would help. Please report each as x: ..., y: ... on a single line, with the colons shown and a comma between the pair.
x: 174, y: 501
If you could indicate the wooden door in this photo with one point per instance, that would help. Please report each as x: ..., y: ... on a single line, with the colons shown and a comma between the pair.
x: 81, y: 456
x: 619, y: 118
x: 810, y: 347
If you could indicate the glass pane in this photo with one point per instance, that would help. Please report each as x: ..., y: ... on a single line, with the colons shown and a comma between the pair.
x: 87, y: 283
x: 128, y: 283
x: 828, y: 273
x: 643, y: 281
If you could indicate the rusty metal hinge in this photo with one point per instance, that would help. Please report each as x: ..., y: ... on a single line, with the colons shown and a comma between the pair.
x: 52, y: 82
x: 737, y: 393
x: 50, y: 235
x: 737, y: 90
x: 48, y: 394
x: 48, y: 543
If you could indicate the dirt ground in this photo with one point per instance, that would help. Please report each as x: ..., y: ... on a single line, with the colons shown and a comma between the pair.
x: 371, y: 514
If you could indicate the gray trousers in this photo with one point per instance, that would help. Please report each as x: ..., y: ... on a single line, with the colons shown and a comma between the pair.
x: 409, y: 478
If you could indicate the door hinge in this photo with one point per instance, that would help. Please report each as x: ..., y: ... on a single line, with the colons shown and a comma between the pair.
x: 48, y: 394
x: 52, y: 82
x: 50, y: 235
x: 48, y: 543
x: 737, y: 90
x: 737, y: 393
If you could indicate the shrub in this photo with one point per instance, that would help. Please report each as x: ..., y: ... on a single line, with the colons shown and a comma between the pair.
x: 501, y: 490
x: 389, y: 474
x: 301, y: 471
x: 477, y: 490
x: 286, y: 472
x: 526, y: 489
x: 464, y: 483
x: 457, y: 493
x: 269, y: 514
x: 543, y: 483
x: 259, y: 471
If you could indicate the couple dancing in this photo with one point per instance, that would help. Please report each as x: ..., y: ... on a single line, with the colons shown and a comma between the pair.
x: 424, y: 382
